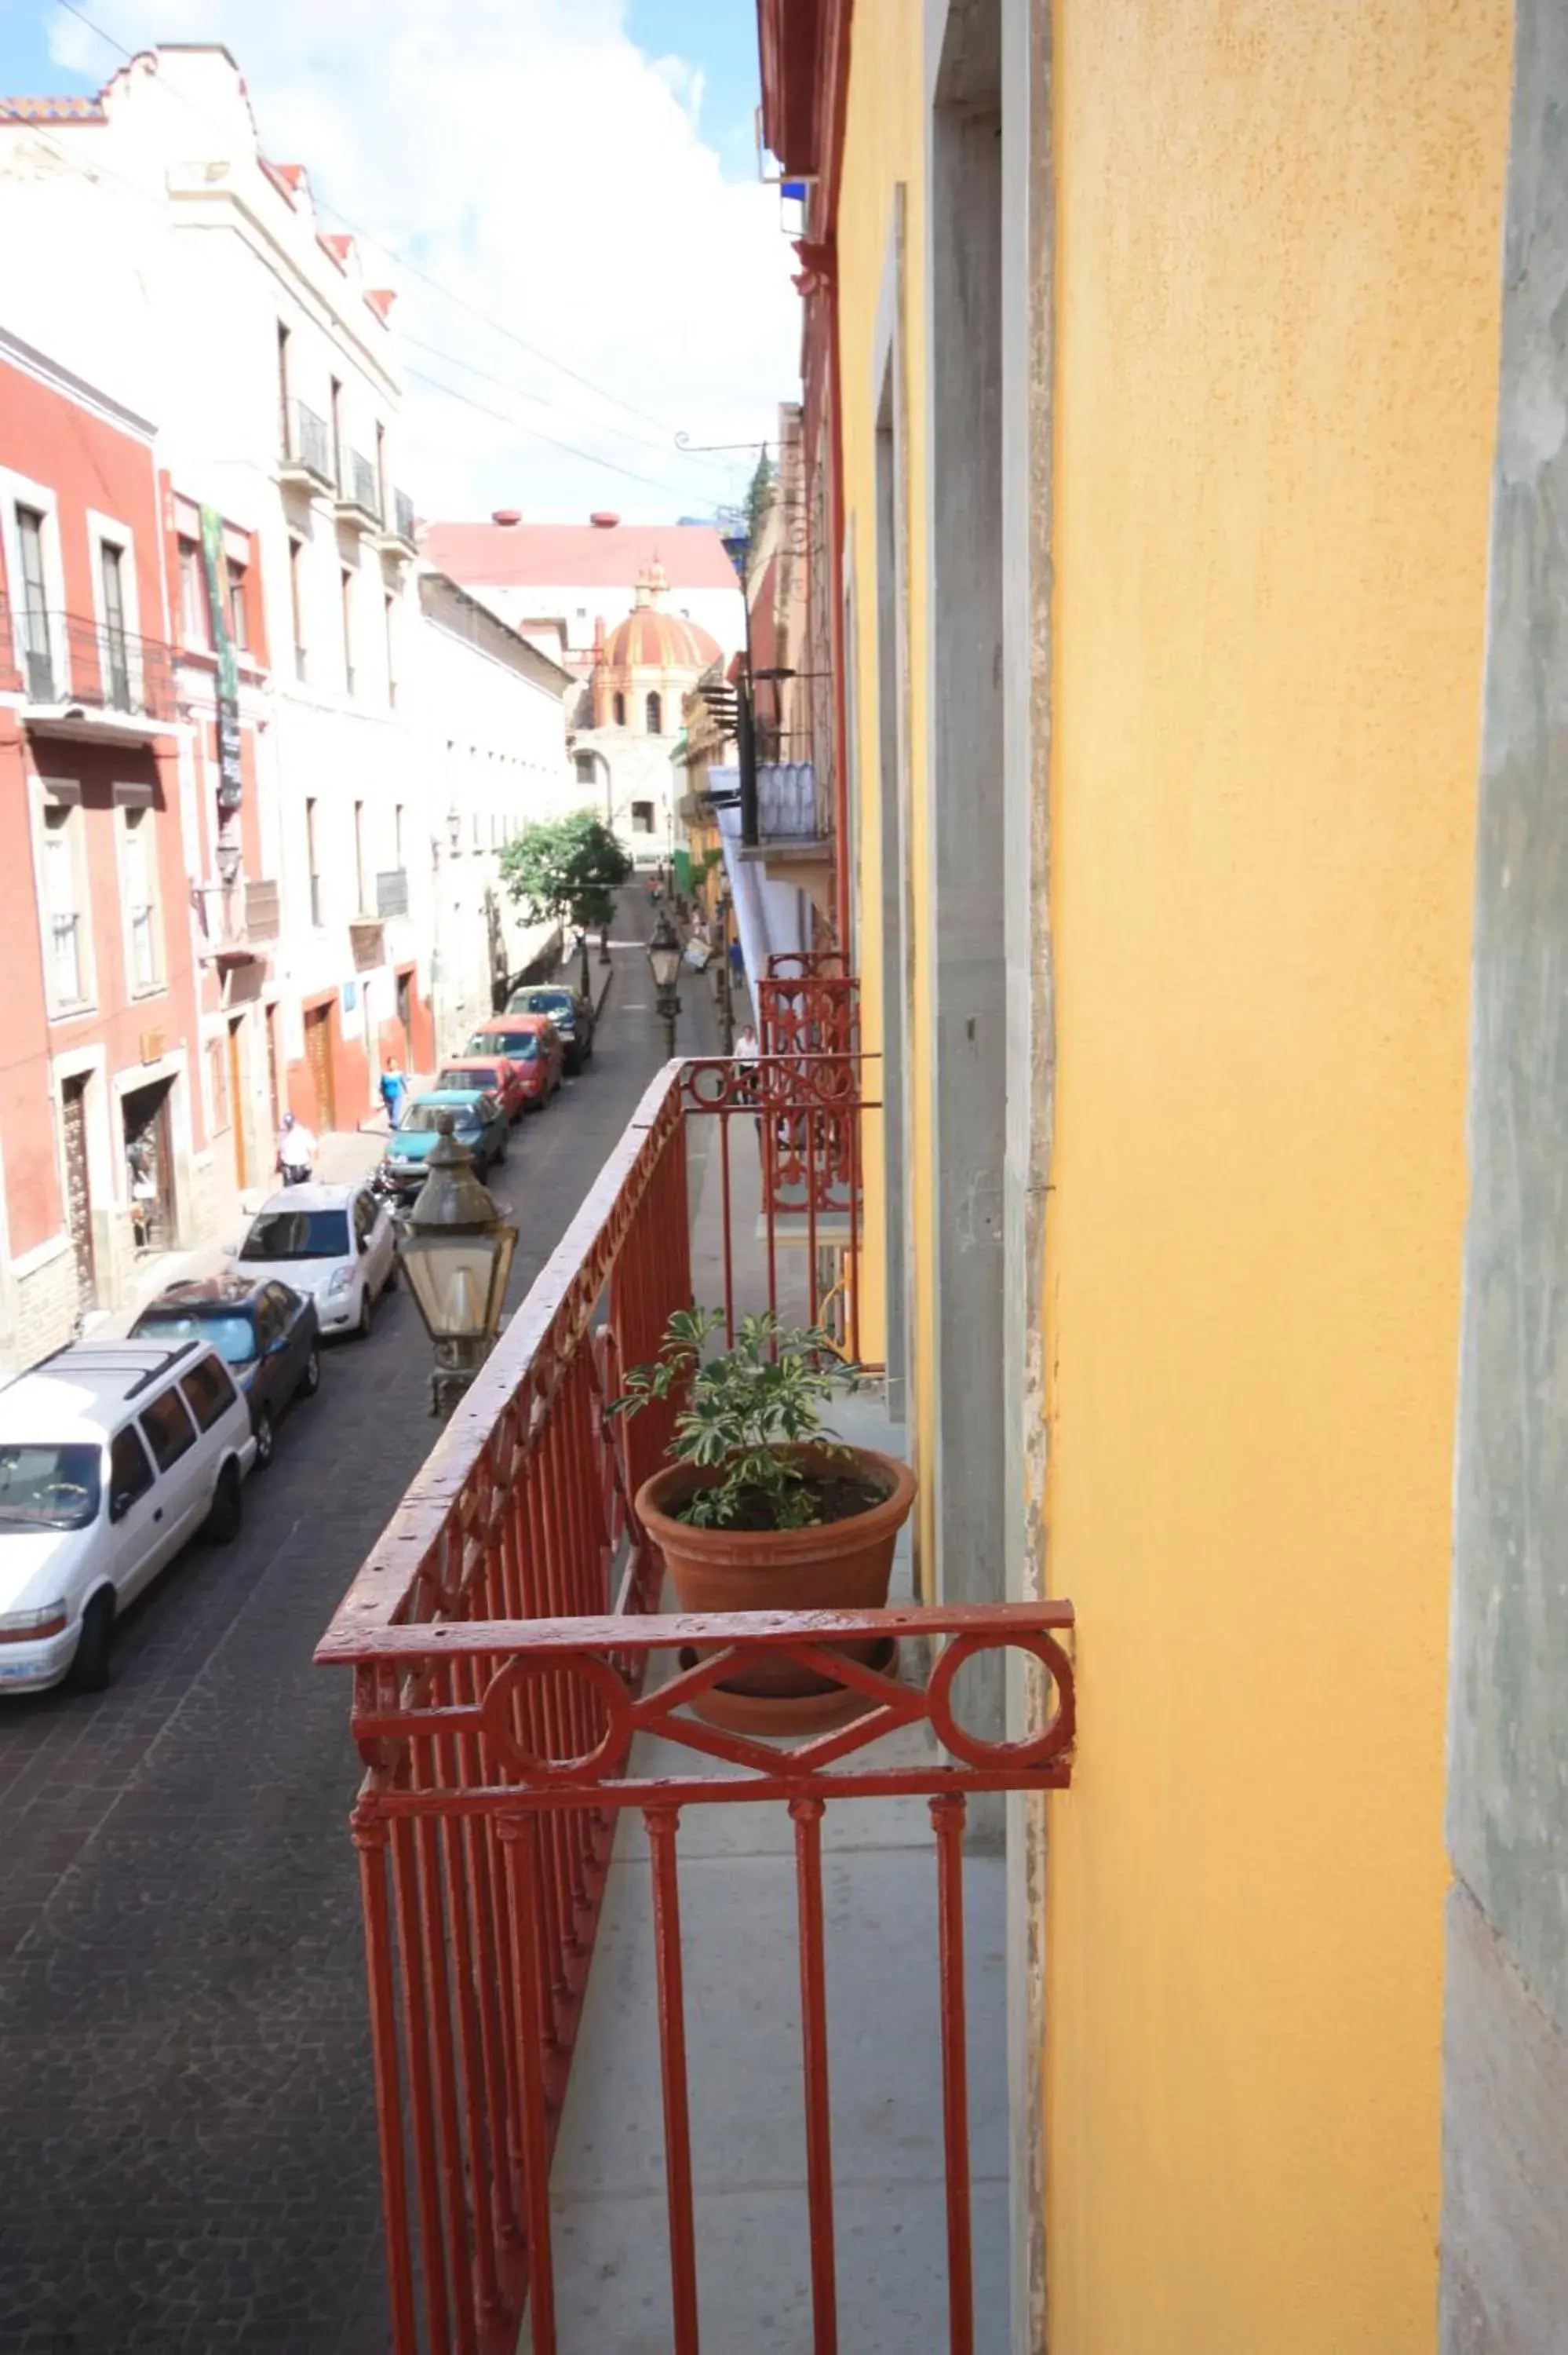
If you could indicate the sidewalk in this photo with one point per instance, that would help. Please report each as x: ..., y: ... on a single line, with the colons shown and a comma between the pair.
x: 345, y: 1155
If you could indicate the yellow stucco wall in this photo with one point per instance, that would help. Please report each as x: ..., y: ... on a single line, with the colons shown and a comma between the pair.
x: 884, y: 151
x: 1278, y: 256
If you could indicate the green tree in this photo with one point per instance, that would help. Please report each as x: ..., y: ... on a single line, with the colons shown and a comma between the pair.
x: 566, y: 870
x: 760, y: 497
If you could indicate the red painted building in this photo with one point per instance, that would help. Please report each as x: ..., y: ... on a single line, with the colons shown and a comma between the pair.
x: 113, y: 953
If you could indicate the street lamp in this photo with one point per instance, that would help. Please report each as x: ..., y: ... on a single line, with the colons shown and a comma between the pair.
x: 456, y: 1256
x: 664, y: 957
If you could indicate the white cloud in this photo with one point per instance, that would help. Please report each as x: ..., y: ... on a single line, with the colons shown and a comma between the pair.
x: 527, y: 155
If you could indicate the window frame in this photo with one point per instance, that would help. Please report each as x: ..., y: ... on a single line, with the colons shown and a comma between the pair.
x: 18, y: 492
x: 133, y: 1433
x: 174, y: 1398
x: 212, y: 1364
x: 58, y: 815
x: 137, y: 831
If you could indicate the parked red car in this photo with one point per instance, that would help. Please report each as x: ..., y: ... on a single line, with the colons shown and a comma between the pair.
x: 496, y: 1073
x: 532, y: 1045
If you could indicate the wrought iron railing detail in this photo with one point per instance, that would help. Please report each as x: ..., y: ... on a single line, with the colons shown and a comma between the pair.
x: 307, y: 447
x: 65, y: 659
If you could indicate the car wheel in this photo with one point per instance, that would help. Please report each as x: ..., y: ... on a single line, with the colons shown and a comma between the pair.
x: 90, y: 1668
x: 263, y: 1429
x: 310, y: 1379
x: 362, y: 1330
x: 501, y: 1151
x: 227, y: 1516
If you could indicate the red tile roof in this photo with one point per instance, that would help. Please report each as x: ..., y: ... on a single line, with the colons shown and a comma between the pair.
x: 578, y: 555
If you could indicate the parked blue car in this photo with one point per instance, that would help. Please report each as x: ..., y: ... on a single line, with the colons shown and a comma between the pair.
x: 480, y: 1125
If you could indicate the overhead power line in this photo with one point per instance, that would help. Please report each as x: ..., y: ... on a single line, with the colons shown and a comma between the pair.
x: 426, y: 277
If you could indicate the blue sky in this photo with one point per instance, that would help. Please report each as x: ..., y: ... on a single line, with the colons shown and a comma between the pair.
x: 583, y: 172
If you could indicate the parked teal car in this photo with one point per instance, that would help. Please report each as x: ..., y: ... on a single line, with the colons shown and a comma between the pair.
x: 480, y: 1125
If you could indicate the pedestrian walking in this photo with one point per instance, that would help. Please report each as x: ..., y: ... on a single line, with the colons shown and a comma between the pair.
x: 394, y: 1088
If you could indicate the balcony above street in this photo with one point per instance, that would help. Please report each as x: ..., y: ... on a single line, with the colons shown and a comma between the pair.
x: 358, y: 501
x: 305, y: 462
x: 81, y: 678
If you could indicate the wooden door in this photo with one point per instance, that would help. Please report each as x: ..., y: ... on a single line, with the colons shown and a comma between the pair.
x: 318, y: 1054
x: 276, y: 1100
x: 236, y: 1105
x: 79, y: 1189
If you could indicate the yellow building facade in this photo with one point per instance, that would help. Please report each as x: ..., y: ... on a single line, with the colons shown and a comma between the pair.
x: 1252, y: 259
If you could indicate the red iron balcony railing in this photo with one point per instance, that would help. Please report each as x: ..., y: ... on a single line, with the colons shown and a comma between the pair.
x: 509, y: 1661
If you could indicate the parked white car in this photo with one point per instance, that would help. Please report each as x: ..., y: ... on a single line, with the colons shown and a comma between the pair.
x: 336, y: 1242
x: 110, y: 1456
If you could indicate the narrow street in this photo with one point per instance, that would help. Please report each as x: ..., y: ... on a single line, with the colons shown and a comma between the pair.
x: 190, y: 2156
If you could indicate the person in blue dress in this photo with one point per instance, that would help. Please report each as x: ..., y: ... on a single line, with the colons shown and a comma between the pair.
x: 394, y: 1088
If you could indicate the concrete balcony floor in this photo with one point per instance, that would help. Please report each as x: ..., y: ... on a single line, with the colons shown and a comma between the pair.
x: 741, y: 1960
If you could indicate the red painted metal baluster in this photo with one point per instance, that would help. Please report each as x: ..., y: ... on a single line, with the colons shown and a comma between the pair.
x: 812, y: 1176
x: 807, y: 1815
x: 370, y: 1838
x: 417, y: 2013
x: 662, y: 1824
x: 432, y: 1930
x: 947, y: 1816
x: 517, y: 1835
x: 852, y: 1263
x: 724, y: 1121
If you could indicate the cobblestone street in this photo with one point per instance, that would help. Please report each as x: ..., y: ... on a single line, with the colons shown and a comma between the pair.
x: 189, y: 2162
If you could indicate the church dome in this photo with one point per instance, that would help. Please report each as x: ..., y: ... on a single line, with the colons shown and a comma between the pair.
x: 652, y: 639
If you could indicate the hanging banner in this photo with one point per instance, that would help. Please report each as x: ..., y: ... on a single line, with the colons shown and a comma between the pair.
x: 230, y: 781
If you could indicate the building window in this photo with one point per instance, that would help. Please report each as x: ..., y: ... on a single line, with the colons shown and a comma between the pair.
x: 312, y: 860
x: 360, y: 877
x: 642, y: 817
x: 381, y: 508
x: 238, y: 629
x: 391, y: 648
x: 585, y: 768
x: 65, y: 901
x: 283, y: 390
x: 140, y: 884
x: 399, y: 858
x: 476, y: 828
x: 619, y: 708
x: 337, y: 433
x: 655, y: 710
x: 35, y: 606
x: 116, y: 658
x: 196, y: 622
x: 297, y: 600
x: 347, y: 581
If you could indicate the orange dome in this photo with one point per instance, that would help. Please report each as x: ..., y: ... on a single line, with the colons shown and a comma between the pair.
x: 652, y: 639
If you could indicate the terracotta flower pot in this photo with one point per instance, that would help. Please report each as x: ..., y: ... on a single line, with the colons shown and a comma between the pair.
x: 836, y: 1566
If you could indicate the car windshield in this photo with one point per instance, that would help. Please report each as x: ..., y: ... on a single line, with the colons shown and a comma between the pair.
x: 297, y: 1235
x: 557, y: 1003
x: 425, y: 1118
x: 469, y: 1079
x: 231, y: 1335
x: 49, y: 1487
x: 522, y: 1046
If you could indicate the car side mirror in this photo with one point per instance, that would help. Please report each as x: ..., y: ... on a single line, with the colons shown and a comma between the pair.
x: 120, y: 1504
x: 363, y: 1243
x: 277, y: 1344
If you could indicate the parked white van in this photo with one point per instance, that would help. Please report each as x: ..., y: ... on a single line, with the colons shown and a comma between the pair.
x: 112, y: 1456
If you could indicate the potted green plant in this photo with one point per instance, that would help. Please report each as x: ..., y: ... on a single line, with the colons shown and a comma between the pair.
x: 762, y: 1509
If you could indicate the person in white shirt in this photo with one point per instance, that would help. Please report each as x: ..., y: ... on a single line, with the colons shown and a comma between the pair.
x: 296, y: 1152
